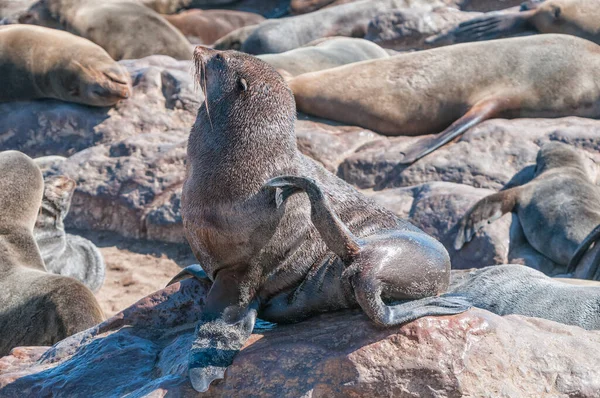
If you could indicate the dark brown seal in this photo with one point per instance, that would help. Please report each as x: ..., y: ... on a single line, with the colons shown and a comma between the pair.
x: 451, y: 89
x: 38, y: 308
x: 269, y: 259
x: 38, y: 62
x: 558, y: 210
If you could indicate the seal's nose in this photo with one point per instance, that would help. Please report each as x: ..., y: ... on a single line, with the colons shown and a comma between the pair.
x: 203, y: 53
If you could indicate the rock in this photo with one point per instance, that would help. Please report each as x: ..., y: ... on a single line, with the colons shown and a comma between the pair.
x: 437, y: 207
x: 486, y: 5
x: 340, y: 354
x: 407, y: 29
x: 163, y: 100
x: 132, y: 187
x: 267, y: 8
x: 487, y: 156
x: 329, y: 142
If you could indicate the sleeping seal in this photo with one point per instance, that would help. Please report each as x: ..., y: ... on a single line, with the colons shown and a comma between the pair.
x: 269, y: 259
x: 559, y: 211
x: 65, y: 254
x: 453, y: 88
x: 125, y: 29
x: 38, y: 62
x: 36, y: 308
x: 324, y: 54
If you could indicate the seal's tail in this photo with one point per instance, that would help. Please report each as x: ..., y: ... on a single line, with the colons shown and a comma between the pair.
x: 334, y: 232
x: 583, y: 247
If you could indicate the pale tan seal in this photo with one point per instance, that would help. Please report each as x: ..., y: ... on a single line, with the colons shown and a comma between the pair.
x: 451, y: 89
x: 37, y: 62
x: 324, y: 54
x: 36, y: 308
x: 125, y: 29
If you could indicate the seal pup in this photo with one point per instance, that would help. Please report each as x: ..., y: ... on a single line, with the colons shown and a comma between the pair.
x: 572, y: 17
x: 37, y: 62
x: 324, y: 54
x: 36, y: 308
x: 425, y: 92
x: 208, y: 26
x: 559, y: 211
x: 66, y: 254
x: 271, y: 261
x: 515, y: 289
x: 125, y: 29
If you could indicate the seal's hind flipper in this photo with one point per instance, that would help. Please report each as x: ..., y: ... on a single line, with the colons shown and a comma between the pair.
x: 491, y: 26
x: 582, y: 249
x: 481, y: 111
x: 216, y: 344
x: 486, y: 211
x: 191, y: 271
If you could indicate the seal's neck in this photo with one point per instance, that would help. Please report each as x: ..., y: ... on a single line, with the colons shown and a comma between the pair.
x: 19, y: 249
x: 233, y: 157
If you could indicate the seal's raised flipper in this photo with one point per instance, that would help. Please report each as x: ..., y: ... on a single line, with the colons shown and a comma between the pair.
x: 191, y: 271
x: 582, y: 249
x: 334, y: 232
x: 486, y: 211
x: 481, y: 111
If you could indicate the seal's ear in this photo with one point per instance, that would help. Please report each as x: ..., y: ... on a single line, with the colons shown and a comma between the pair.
x: 243, y: 84
x: 556, y: 11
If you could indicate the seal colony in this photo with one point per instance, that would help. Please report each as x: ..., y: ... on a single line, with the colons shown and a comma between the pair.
x: 36, y: 308
x: 37, y: 62
x: 561, y: 198
x: 426, y: 92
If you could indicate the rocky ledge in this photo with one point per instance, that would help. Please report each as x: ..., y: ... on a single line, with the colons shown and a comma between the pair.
x: 142, y: 352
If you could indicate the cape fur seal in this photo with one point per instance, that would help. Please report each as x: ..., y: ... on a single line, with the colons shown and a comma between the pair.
x: 208, y: 26
x: 276, y: 36
x: 559, y: 211
x: 37, y: 62
x: 515, y: 289
x: 36, y: 308
x: 65, y: 254
x: 572, y: 17
x: 453, y: 88
x: 125, y: 29
x: 235, y: 39
x: 324, y: 54
x: 269, y: 259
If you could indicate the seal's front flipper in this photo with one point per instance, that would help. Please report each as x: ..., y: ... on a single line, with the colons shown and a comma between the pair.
x: 492, y: 26
x: 481, y: 111
x: 217, y: 343
x: 191, y: 271
x: 486, y: 211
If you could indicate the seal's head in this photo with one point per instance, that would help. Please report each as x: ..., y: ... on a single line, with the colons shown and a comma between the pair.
x: 98, y: 82
x: 21, y: 190
x: 556, y: 154
x: 238, y: 85
x: 58, y: 192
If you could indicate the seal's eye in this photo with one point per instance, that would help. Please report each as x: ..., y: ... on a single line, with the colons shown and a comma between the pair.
x: 243, y: 84
x: 557, y: 12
